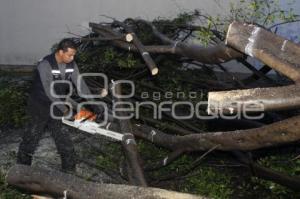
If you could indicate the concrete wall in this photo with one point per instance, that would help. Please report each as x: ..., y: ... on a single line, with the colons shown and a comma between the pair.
x: 28, y: 28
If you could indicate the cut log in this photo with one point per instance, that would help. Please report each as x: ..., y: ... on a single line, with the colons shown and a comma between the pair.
x: 131, y: 37
x: 56, y: 184
x: 275, y: 51
x: 254, y: 100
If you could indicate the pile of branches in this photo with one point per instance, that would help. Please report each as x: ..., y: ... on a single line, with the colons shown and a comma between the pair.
x: 165, y: 59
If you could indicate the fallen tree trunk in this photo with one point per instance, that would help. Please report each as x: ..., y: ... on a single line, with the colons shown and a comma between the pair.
x: 56, y: 184
x: 275, y: 134
x: 254, y: 100
x: 275, y: 51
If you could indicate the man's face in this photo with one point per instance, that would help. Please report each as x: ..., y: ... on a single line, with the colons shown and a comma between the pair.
x: 67, y: 56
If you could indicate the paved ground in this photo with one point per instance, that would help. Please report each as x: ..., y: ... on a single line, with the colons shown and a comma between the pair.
x: 46, y: 154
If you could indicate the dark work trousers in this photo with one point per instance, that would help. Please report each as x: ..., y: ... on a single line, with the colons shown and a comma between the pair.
x: 33, y: 132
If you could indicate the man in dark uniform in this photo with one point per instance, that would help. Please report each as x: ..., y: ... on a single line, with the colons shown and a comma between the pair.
x: 55, y: 67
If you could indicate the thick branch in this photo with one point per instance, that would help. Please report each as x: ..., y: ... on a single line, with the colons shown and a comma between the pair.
x: 210, y: 55
x: 49, y: 182
x: 264, y: 70
x: 166, y: 161
x: 158, y: 34
x: 292, y: 182
x: 136, y: 174
x: 275, y: 134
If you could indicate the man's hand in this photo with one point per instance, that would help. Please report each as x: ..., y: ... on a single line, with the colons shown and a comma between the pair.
x: 68, y: 113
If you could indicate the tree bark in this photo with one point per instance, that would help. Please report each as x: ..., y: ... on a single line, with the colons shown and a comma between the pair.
x: 275, y: 134
x: 254, y: 100
x: 135, y: 171
x: 50, y: 182
x: 210, y: 55
x: 131, y: 37
x: 292, y: 182
x: 275, y: 51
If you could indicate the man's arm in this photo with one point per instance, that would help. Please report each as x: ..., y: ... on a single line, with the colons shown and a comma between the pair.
x: 46, y: 77
x: 82, y: 88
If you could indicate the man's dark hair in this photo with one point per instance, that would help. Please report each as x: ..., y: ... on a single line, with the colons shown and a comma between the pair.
x: 65, y: 44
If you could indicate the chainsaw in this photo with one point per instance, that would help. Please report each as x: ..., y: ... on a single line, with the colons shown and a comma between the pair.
x: 85, y: 120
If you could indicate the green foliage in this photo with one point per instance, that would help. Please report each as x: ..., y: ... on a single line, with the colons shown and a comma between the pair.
x: 284, y: 163
x: 150, y: 152
x: 212, y: 29
x: 102, y: 59
x: 263, y: 12
x: 209, y: 182
x: 12, y: 107
x: 106, y: 162
x: 204, y: 36
x: 183, y: 18
x: 110, y: 159
x: 7, y: 192
x: 12, y: 104
x: 210, y: 26
x: 112, y: 57
x: 204, y: 180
